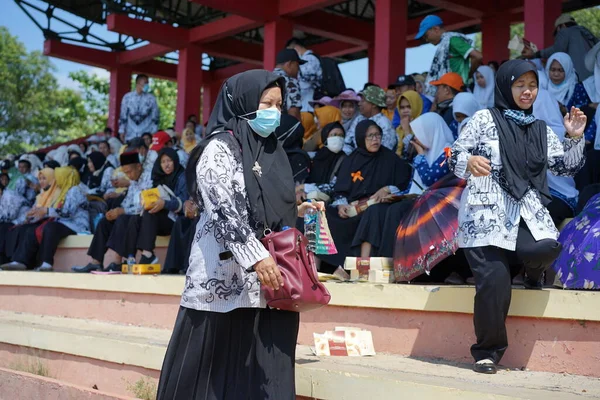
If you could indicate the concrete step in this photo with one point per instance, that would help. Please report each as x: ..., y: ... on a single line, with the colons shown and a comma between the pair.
x: 108, y: 355
x: 550, y: 330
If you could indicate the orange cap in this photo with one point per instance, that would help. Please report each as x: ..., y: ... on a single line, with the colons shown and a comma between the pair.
x: 451, y: 79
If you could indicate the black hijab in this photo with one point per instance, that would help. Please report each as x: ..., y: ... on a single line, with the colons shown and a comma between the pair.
x: 94, y: 179
x: 325, y: 160
x: 158, y: 175
x: 383, y: 168
x: 271, y: 194
x: 291, y: 133
x: 523, y: 148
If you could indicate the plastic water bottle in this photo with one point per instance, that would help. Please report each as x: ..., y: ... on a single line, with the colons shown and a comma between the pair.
x: 311, y: 219
x: 130, y: 263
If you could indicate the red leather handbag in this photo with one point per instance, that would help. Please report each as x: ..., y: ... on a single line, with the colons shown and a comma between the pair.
x: 302, y: 290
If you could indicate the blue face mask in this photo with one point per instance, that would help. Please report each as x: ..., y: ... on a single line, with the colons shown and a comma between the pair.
x: 146, y: 88
x: 266, y: 121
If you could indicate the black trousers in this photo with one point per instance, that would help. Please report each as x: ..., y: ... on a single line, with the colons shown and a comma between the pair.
x: 119, y: 235
x: 584, y: 196
x: 29, y: 248
x: 16, y: 236
x: 559, y: 210
x: 4, y: 231
x: 152, y: 225
x: 491, y: 270
x: 178, y: 253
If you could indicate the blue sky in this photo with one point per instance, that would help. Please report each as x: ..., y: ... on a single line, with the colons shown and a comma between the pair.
x: 355, y: 73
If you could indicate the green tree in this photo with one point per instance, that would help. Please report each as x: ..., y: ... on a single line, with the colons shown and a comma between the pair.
x: 34, y: 111
x: 94, y: 90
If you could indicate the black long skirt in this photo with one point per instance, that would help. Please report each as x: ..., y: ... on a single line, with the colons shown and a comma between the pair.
x: 248, y: 353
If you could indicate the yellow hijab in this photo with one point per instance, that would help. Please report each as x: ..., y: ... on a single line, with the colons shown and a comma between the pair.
x: 47, y: 198
x: 66, y: 178
x: 416, y: 109
x: 188, y: 145
x: 308, y: 123
x: 326, y: 115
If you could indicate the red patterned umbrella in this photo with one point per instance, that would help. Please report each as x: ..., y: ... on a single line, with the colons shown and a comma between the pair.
x: 427, y: 234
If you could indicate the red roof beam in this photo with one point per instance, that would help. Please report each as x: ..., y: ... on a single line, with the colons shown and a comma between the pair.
x: 227, y: 72
x: 143, y: 53
x: 157, y: 69
x: 163, y: 34
x: 334, y: 27
x: 295, y: 8
x: 257, y: 10
x: 236, y: 50
x: 220, y: 29
x: 452, y: 21
x: 462, y: 7
x: 80, y: 54
x: 332, y: 48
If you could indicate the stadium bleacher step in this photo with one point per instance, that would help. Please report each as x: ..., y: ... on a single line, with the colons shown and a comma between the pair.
x: 121, y: 347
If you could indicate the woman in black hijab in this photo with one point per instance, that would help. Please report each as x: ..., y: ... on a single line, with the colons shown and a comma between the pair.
x: 505, y: 154
x: 226, y: 344
x: 100, y: 174
x: 290, y: 133
x: 168, y: 175
x: 370, y: 172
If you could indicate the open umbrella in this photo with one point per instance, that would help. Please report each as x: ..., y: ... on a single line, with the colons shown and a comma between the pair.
x: 427, y: 234
x: 578, y: 265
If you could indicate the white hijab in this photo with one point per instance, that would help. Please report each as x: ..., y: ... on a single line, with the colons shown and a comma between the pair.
x: 546, y: 108
x: 433, y: 132
x: 564, y: 91
x: 465, y: 103
x: 485, y: 96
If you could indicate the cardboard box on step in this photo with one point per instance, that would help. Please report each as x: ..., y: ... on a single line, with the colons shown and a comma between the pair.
x: 377, y: 263
x: 352, y: 342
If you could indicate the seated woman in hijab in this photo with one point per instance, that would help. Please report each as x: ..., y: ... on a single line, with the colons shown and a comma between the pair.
x: 409, y: 106
x: 100, y: 174
x: 69, y: 216
x: 485, y: 82
x: 290, y: 133
x: 376, y: 234
x: 323, y: 115
x: 51, y: 197
x: 80, y: 164
x: 158, y: 220
x: 562, y: 188
x: 347, y: 102
x: 505, y: 153
x: 564, y: 85
x: 13, y: 208
x: 325, y: 164
x: 188, y: 140
x: 370, y: 172
x: 465, y: 105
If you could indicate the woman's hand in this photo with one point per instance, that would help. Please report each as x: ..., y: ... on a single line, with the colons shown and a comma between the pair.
x: 38, y: 213
x: 268, y: 273
x: 189, y: 209
x: 479, y: 166
x: 158, y: 206
x: 575, y: 123
x: 419, y: 147
x: 343, y: 211
x: 381, y: 195
x: 405, y: 124
x: 315, y: 205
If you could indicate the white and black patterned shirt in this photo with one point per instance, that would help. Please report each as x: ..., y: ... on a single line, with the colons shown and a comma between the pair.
x: 293, y: 98
x: 139, y: 114
x: 224, y: 250
x: 488, y: 214
x: 310, y: 77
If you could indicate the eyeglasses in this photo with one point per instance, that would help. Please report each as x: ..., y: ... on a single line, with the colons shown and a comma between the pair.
x: 372, y: 137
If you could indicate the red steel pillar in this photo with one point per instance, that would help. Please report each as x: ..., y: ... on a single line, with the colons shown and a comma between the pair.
x: 391, y: 20
x: 276, y: 34
x: 189, y: 83
x: 539, y: 21
x: 495, y: 32
x: 210, y: 92
x: 371, y: 55
x: 120, y: 84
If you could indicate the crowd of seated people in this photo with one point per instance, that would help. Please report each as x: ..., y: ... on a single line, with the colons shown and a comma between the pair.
x: 385, y: 146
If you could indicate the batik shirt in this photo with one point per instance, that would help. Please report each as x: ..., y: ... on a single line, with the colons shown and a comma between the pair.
x: 389, y: 139
x: 488, y: 214
x: 293, y: 98
x: 310, y: 78
x: 139, y: 114
x: 220, y: 277
x: 132, y: 203
x: 73, y: 213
